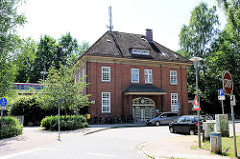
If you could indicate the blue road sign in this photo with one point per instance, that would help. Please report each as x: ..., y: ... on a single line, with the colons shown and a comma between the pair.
x: 3, y: 102
x: 220, y: 92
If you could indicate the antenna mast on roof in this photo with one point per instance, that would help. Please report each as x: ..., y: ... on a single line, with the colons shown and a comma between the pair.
x: 110, y: 19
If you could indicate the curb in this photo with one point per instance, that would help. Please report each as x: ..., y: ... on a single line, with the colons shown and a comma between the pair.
x: 94, y: 131
x: 141, y: 147
x: 113, y: 127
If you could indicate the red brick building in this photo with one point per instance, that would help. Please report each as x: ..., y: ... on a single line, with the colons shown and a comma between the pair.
x: 132, y: 75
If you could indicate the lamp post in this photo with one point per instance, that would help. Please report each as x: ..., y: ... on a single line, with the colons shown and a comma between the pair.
x: 196, y: 60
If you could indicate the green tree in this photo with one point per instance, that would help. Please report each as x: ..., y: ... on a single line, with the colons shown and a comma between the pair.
x: 60, y: 85
x: 196, y: 40
x: 9, y: 20
x: 45, y: 56
x: 69, y: 49
x: 25, y: 60
x: 226, y: 48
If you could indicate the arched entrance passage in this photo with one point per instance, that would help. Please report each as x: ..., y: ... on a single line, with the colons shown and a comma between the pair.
x: 143, y: 108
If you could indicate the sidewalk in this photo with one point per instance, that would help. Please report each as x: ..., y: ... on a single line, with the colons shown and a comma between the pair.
x: 177, y: 147
x: 181, y: 147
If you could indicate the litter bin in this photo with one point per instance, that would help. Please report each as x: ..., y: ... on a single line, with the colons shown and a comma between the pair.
x: 88, y: 116
x: 216, y: 142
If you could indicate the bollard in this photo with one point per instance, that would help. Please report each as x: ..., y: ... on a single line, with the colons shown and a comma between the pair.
x: 216, y: 142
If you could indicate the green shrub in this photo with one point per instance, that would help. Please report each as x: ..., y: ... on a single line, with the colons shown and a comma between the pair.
x: 68, y: 122
x: 11, y: 127
x: 31, y: 110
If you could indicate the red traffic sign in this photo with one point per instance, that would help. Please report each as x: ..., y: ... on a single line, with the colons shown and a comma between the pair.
x: 227, y: 83
x: 196, y: 105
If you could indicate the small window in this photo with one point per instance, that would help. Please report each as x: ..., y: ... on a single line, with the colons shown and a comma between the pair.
x: 148, y: 75
x: 188, y: 120
x: 79, y: 77
x: 106, y: 102
x: 173, y: 77
x: 135, y: 75
x: 140, y: 52
x: 145, y: 52
x: 106, y: 74
x: 75, y: 78
x: 83, y: 74
x: 172, y: 114
x: 181, y: 119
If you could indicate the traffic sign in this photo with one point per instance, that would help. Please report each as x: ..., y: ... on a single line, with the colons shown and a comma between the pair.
x: 227, y: 83
x: 221, y: 95
x: 232, y: 100
x: 220, y: 92
x: 3, y: 108
x: 3, y: 102
x: 196, y: 105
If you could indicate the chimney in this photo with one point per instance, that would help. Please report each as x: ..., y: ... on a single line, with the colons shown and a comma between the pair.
x: 149, y: 35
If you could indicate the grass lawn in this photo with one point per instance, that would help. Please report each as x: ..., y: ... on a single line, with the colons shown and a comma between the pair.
x: 227, y: 146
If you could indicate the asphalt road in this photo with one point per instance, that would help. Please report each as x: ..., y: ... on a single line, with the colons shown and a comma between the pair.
x: 117, y: 143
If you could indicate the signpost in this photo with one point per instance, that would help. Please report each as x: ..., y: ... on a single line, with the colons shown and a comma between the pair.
x: 228, y: 88
x: 196, y: 66
x: 221, y: 97
x: 3, y: 103
x: 59, y: 109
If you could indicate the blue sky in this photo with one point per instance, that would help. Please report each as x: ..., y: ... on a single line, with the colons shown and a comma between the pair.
x: 87, y: 19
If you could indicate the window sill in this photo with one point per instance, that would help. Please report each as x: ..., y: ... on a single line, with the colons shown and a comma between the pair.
x: 106, y: 81
x: 105, y: 112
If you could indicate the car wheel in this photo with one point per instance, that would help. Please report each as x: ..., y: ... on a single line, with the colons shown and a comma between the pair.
x: 157, y: 123
x: 191, y: 132
x: 171, y: 130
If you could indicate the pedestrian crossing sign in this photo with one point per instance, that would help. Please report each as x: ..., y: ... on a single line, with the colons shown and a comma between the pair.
x: 196, y: 105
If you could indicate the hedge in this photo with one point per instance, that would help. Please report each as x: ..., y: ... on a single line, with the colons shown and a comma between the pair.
x: 32, y: 110
x: 68, y: 122
x: 11, y: 127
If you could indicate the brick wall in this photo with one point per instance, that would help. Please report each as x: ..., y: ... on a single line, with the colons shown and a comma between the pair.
x: 121, y: 79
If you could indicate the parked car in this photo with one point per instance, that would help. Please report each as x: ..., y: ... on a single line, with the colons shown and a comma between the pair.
x: 186, y: 125
x: 163, y: 118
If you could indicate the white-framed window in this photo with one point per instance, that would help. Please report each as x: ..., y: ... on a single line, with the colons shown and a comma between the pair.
x: 173, y: 77
x: 106, y: 102
x: 174, y: 102
x: 140, y: 52
x: 148, y: 75
x: 106, y: 77
x: 79, y: 77
x: 75, y: 81
x: 83, y: 74
x: 135, y: 75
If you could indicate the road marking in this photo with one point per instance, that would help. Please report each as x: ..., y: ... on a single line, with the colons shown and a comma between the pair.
x: 29, y: 151
x: 103, y: 155
x: 18, y: 154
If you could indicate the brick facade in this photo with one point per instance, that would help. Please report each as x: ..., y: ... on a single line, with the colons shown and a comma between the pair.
x: 122, y: 52
x: 121, y: 105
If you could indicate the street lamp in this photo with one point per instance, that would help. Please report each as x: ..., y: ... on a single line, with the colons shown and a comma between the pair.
x: 43, y: 74
x: 196, y: 60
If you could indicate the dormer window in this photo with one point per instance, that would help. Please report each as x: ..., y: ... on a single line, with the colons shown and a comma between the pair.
x: 140, y: 52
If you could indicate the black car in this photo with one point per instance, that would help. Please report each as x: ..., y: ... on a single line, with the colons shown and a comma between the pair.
x: 163, y: 118
x: 186, y: 125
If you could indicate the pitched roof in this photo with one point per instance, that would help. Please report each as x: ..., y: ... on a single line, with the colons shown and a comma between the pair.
x: 120, y: 44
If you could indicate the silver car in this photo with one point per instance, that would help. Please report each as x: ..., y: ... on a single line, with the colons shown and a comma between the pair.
x: 163, y: 118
